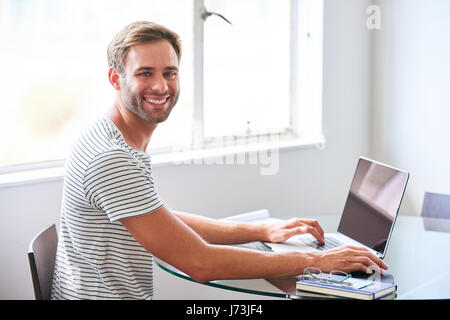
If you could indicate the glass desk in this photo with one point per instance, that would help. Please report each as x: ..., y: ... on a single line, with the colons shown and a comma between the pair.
x: 418, y: 256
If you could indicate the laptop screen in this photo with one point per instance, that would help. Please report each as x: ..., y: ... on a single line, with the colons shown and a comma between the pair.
x: 373, y: 203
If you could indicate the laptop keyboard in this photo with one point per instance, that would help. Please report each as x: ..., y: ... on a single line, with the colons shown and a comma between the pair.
x: 330, y: 243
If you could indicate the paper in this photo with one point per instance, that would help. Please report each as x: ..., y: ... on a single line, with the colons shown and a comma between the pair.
x: 253, y: 216
x: 295, y: 243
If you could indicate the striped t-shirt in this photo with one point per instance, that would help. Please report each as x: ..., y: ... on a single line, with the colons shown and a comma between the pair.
x: 105, y: 180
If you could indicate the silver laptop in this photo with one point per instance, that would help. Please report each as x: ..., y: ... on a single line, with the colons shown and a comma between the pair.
x: 371, y: 208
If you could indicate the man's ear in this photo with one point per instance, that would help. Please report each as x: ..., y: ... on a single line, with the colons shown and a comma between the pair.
x: 114, y: 76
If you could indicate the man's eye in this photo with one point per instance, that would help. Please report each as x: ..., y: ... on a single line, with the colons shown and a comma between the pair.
x: 145, y: 74
x: 170, y: 75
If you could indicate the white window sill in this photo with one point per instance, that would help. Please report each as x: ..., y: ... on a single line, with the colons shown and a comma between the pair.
x: 202, y: 156
x: 216, y: 155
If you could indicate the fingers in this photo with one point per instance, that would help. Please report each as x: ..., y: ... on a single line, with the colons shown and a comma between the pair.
x: 314, y: 232
x: 297, y: 226
x: 315, y: 224
x: 373, y: 258
x: 367, y: 265
x: 358, y: 258
x: 311, y: 226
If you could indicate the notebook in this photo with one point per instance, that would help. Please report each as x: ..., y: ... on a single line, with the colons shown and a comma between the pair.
x: 350, y: 288
x: 369, y: 213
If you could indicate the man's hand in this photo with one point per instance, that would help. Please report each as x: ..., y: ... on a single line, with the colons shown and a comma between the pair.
x: 283, y: 230
x: 348, y: 259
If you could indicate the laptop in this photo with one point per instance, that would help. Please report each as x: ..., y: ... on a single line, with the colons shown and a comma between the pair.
x: 369, y: 213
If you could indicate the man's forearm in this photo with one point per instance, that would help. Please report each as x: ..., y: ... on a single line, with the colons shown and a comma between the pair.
x: 226, y: 262
x: 222, y: 232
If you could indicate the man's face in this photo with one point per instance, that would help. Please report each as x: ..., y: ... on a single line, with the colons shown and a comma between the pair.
x: 149, y: 86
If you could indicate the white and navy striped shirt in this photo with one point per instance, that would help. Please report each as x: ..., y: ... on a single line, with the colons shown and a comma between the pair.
x: 106, y: 180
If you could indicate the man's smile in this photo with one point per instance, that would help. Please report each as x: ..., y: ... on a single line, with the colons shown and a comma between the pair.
x: 158, y: 100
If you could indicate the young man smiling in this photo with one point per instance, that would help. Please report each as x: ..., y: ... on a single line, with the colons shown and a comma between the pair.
x: 112, y: 219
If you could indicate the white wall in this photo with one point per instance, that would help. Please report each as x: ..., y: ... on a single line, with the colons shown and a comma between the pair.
x: 24, y: 211
x: 310, y: 182
x: 411, y: 109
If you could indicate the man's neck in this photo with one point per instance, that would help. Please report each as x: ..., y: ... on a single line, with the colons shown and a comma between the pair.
x: 136, y: 131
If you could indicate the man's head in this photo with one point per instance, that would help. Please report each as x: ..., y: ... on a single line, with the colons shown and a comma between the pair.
x: 143, y: 60
x: 136, y: 33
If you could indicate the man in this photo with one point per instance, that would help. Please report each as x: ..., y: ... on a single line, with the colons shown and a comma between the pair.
x: 112, y: 219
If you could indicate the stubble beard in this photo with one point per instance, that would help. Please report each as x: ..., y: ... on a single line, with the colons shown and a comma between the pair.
x: 134, y: 103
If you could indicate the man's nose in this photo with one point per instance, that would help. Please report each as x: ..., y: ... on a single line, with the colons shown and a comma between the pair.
x: 159, y: 84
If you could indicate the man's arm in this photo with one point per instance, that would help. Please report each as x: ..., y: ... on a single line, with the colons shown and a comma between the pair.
x: 231, y: 232
x: 222, y: 232
x: 167, y: 237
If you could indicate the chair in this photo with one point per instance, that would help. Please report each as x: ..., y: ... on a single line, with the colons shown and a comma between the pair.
x: 42, y: 255
x: 436, y: 205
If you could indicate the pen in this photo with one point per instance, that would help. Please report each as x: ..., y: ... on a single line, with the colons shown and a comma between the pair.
x: 366, y: 285
x: 266, y: 246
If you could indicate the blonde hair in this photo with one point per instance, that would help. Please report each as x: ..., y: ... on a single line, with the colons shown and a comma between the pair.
x: 137, y: 33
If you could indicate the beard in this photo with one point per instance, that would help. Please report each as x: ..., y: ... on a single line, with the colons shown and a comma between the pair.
x: 135, y: 103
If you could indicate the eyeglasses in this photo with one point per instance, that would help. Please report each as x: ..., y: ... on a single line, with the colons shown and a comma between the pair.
x: 335, y: 276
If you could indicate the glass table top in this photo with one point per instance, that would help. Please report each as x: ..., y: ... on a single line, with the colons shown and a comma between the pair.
x: 418, y: 256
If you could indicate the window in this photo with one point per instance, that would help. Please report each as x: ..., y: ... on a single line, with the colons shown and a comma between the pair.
x: 259, y: 75
x: 54, y: 66
x: 246, y: 64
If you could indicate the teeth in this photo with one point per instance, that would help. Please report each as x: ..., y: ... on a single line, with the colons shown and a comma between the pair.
x: 156, y: 101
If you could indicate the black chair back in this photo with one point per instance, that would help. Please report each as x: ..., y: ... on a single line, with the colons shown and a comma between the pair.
x: 42, y: 255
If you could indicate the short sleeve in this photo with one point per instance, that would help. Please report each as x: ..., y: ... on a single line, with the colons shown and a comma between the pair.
x: 120, y: 185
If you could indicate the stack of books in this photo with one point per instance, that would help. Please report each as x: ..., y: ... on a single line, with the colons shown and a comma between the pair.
x: 353, y: 288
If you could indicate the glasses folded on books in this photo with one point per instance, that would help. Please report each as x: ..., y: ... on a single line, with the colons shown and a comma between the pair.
x: 335, y: 276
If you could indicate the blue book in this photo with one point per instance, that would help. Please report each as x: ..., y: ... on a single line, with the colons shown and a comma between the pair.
x: 351, y: 288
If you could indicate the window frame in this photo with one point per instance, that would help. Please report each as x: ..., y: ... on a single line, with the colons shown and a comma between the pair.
x: 303, y: 34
